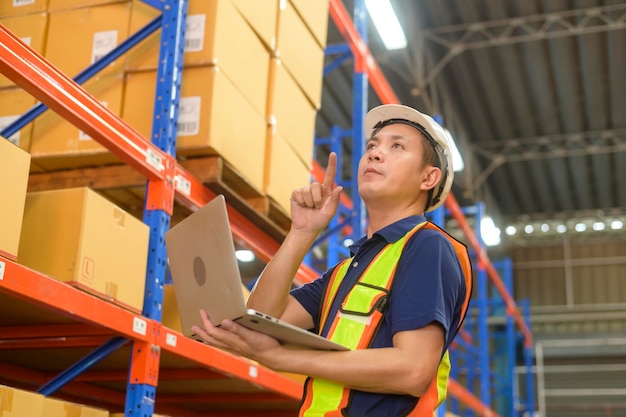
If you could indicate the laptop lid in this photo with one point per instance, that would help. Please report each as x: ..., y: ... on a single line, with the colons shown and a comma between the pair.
x: 205, y: 275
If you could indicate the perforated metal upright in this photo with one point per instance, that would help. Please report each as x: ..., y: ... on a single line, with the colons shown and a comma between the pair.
x: 159, y: 204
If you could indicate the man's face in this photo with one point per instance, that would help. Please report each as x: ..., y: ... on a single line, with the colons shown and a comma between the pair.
x: 392, y: 166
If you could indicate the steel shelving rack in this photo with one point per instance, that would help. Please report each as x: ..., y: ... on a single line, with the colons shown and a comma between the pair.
x: 76, y: 320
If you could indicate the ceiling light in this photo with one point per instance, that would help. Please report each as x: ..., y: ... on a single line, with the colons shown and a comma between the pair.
x: 529, y: 228
x: 617, y: 224
x: 489, y: 232
x: 598, y: 226
x: 545, y: 227
x: 510, y: 230
x: 561, y: 228
x: 580, y: 227
x: 348, y: 242
x: 386, y: 23
x: 245, y: 255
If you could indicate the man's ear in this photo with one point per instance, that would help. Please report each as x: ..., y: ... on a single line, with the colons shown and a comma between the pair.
x: 432, y: 176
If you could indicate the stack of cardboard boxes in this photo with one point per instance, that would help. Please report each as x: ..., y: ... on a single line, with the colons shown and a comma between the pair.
x: 251, y: 83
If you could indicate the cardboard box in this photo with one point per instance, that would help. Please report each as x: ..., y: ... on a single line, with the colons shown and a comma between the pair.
x: 21, y: 7
x: 214, y: 118
x: 89, y: 33
x: 262, y: 16
x: 14, y: 102
x: 291, y: 112
x: 14, y: 169
x: 79, y: 237
x: 31, y: 29
x: 315, y: 16
x: 58, y: 144
x: 57, y: 5
x: 284, y: 171
x: 301, y: 54
x: 53, y: 407
x: 19, y: 403
x: 216, y: 34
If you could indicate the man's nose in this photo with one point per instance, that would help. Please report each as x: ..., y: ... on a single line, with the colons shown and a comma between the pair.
x: 374, y: 155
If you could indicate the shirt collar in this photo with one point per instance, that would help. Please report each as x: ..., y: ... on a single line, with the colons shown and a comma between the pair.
x: 391, y: 233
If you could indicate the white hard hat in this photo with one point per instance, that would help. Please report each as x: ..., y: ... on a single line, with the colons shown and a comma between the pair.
x: 396, y: 113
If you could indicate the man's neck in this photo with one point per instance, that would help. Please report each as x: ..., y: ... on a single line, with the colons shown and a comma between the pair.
x: 379, y: 219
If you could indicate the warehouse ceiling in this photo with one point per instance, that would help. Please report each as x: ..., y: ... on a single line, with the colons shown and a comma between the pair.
x: 533, y: 91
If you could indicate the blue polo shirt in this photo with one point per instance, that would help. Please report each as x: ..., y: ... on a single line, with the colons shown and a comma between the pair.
x: 428, y: 287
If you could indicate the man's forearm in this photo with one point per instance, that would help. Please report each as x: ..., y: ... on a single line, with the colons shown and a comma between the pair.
x: 271, y: 292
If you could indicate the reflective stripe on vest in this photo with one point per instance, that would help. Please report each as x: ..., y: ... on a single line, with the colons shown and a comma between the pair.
x: 358, y: 319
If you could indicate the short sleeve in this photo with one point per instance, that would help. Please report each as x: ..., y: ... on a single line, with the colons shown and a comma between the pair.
x: 310, y: 295
x: 428, y: 286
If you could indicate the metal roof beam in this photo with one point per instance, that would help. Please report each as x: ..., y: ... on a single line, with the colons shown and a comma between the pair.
x: 459, y: 38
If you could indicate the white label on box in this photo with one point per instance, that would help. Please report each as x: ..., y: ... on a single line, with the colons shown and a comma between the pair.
x: 140, y: 326
x: 82, y: 135
x: 17, y: 3
x: 189, y: 116
x: 182, y: 184
x: 103, y: 43
x: 7, y: 120
x: 194, y: 33
x: 2, y: 267
x: 171, y: 340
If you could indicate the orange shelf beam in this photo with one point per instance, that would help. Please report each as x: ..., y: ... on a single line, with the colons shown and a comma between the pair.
x: 235, y: 366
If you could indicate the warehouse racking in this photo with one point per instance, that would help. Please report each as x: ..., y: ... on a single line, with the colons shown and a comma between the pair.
x: 50, y: 316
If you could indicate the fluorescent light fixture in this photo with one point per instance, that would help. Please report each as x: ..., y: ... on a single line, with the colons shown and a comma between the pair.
x: 598, y: 226
x: 386, y: 23
x: 457, y: 159
x: 545, y: 227
x: 529, y: 228
x: 489, y: 232
x: 561, y: 228
x: 617, y: 224
x: 245, y: 255
x: 348, y: 242
x: 580, y: 227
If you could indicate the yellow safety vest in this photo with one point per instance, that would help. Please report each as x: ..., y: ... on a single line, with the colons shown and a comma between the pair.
x: 358, y: 319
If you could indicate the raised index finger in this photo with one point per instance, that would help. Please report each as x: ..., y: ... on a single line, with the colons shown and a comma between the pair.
x: 331, y: 170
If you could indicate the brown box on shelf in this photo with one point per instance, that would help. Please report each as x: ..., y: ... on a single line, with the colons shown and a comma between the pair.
x: 13, y: 103
x: 315, y: 16
x: 57, y: 5
x: 301, y: 54
x: 262, y: 17
x: 15, y: 8
x: 214, y: 118
x: 77, y: 236
x: 19, y: 403
x: 284, y: 170
x: 216, y: 34
x: 88, y: 32
x: 291, y: 112
x: 58, y: 144
x: 14, y: 169
x: 31, y: 29
x: 53, y: 407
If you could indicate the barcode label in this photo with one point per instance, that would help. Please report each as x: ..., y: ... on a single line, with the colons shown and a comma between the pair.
x: 103, y: 43
x: 194, y: 33
x: 4, y: 122
x: 18, y: 3
x: 188, y: 123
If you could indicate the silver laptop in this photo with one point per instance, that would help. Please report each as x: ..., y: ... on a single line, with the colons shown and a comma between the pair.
x: 205, y: 275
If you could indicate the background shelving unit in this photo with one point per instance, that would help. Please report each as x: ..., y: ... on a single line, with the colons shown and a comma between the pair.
x: 81, y: 348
